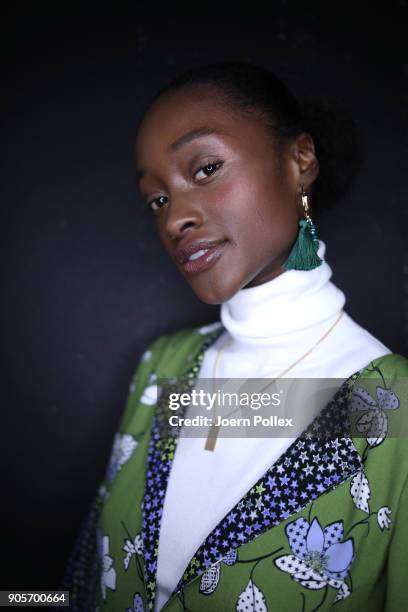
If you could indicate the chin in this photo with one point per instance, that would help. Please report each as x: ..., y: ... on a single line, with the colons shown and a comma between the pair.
x: 211, y: 300
x: 213, y: 293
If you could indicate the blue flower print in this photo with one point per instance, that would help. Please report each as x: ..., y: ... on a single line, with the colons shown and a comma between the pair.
x: 319, y: 556
x: 137, y: 604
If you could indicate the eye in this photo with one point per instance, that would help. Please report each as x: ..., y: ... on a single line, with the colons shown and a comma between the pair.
x: 153, y: 203
x: 209, y: 168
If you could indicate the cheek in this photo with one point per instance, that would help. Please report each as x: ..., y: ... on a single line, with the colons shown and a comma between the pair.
x: 257, y: 210
x: 236, y: 204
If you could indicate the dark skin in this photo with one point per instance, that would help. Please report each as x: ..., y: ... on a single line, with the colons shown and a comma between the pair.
x: 250, y: 197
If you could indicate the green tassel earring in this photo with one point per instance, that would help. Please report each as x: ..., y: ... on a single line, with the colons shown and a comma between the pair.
x: 303, y: 255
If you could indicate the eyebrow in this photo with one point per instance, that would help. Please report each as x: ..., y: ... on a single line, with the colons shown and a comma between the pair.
x: 181, y: 142
x: 190, y: 136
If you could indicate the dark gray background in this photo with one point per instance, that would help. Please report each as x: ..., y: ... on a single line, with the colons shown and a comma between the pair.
x: 86, y: 284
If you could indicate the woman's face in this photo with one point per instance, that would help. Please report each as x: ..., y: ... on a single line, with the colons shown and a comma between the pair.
x: 227, y: 187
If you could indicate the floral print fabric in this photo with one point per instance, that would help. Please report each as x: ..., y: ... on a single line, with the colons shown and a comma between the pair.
x: 300, y: 539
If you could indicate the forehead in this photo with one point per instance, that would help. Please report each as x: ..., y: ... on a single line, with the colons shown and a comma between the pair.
x: 177, y: 113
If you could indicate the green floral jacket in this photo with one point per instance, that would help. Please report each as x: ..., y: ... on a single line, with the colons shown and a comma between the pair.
x: 327, y: 524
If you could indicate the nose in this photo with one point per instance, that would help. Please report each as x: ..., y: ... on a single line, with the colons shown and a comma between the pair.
x: 182, y: 215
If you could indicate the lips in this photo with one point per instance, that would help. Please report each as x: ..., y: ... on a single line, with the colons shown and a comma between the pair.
x: 184, y: 251
x: 207, y: 253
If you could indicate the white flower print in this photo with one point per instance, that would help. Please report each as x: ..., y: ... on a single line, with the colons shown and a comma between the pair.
x: 206, y: 329
x: 132, y: 548
x: 383, y: 518
x: 146, y: 355
x: 251, y: 599
x: 209, y: 579
x: 374, y: 423
x: 360, y: 491
x: 150, y: 395
x: 108, y: 573
x: 122, y: 449
x: 230, y: 558
x: 343, y: 592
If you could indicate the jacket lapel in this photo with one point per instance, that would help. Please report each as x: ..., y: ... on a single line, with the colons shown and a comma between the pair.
x: 162, y: 446
x: 320, y: 459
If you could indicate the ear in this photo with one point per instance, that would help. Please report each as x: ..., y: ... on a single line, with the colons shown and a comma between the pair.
x: 306, y: 163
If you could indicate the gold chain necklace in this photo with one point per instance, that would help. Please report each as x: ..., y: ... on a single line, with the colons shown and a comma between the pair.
x: 214, y: 429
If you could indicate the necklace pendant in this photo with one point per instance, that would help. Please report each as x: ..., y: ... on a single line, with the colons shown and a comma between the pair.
x: 212, y: 437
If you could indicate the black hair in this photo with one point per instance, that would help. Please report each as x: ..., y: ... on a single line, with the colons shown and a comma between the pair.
x: 250, y: 88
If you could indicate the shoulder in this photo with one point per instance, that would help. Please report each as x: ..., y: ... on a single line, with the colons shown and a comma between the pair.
x: 184, y: 337
x: 386, y: 380
x: 391, y: 366
x: 379, y: 400
x: 166, y: 356
x: 169, y: 352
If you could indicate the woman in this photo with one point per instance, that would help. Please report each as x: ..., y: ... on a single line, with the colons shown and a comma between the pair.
x: 227, y: 164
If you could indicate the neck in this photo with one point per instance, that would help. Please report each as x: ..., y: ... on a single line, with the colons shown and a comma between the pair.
x: 291, y: 305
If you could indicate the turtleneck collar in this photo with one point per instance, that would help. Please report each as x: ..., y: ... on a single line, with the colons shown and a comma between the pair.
x: 295, y: 302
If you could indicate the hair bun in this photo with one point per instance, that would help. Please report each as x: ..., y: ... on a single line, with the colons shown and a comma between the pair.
x: 337, y: 148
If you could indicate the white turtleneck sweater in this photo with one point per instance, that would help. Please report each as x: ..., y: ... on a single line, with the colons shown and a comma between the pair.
x: 269, y: 327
